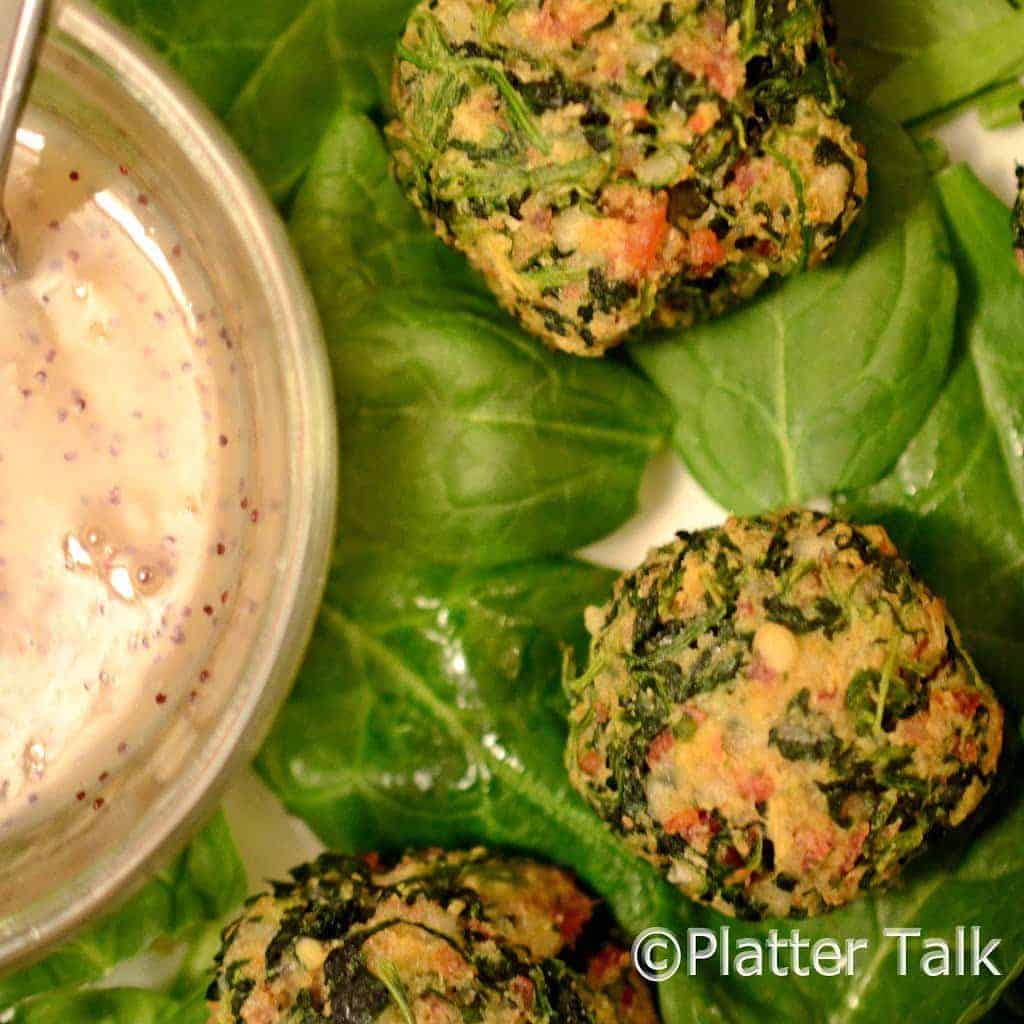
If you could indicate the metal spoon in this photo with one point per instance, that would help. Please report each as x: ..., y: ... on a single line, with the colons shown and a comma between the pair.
x: 21, y: 25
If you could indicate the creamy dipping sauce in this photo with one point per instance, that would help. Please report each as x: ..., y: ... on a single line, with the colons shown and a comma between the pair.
x: 122, y: 494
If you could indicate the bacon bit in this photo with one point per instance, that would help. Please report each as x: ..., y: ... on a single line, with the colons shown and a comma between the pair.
x: 601, y: 712
x: 717, y: 74
x: 572, y: 916
x: 522, y: 989
x: 746, y: 175
x: 765, y: 248
x: 827, y: 694
x: 815, y: 846
x: 704, y: 118
x: 450, y: 964
x: 432, y: 1009
x: 716, y: 747
x: 755, y: 788
x: 679, y: 822
x: 967, y: 702
x: 661, y: 746
x: 706, y: 251
x: 694, y: 712
x: 636, y: 110
x: 590, y: 762
x: 565, y: 21
x: 716, y: 25
x: 695, y: 825
x: 856, y: 844
x: 965, y: 751
x: 732, y: 858
x: 646, y: 237
x: 372, y: 861
x: 606, y: 966
x: 916, y: 728
x: 922, y: 646
x: 699, y: 123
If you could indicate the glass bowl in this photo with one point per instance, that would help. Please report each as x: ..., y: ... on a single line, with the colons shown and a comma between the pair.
x: 61, y: 872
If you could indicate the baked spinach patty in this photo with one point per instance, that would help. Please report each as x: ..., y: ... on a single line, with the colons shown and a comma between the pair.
x: 435, y: 937
x: 779, y: 714
x: 609, y: 162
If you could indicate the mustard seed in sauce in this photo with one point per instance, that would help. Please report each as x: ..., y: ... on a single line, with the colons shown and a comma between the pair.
x: 118, y: 461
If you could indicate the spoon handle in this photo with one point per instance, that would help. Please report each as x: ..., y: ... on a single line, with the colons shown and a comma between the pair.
x: 22, y: 24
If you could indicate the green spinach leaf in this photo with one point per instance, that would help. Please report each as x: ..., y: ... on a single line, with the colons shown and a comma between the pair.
x: 464, y: 440
x: 215, y: 47
x: 337, y: 54
x: 955, y: 501
x: 1011, y: 1006
x: 953, y: 70
x: 1001, y: 107
x: 357, y: 231
x: 112, y: 1006
x: 876, y: 36
x: 441, y: 680
x: 276, y: 71
x: 821, y: 384
x: 203, y: 884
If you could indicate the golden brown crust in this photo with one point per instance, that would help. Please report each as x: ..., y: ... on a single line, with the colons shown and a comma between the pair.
x: 436, y: 937
x: 606, y: 163
x: 779, y: 714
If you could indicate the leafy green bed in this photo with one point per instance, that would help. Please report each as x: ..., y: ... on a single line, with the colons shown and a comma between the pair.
x: 429, y: 710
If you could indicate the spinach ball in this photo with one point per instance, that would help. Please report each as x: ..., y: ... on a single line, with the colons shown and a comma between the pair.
x: 608, y: 163
x: 435, y: 938
x: 779, y: 714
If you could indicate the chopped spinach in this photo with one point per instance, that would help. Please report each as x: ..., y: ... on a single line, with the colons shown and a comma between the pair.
x: 880, y: 707
x: 827, y: 617
x: 355, y: 996
x: 804, y: 734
